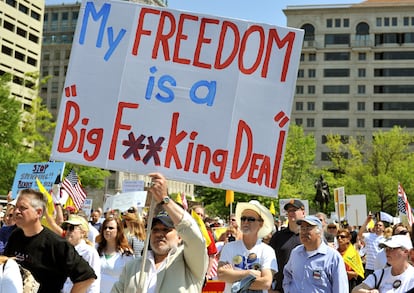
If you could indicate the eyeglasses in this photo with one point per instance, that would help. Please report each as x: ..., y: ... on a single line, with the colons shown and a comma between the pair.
x: 341, y: 237
x: 291, y: 210
x: 109, y: 228
x: 391, y: 248
x: 306, y: 228
x: 402, y: 232
x: 249, y: 219
x: 70, y: 228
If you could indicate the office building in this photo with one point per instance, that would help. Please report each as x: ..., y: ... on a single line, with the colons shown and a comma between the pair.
x: 20, y: 41
x: 357, y: 69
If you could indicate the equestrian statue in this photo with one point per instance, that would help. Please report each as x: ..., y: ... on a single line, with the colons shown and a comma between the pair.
x: 322, y: 194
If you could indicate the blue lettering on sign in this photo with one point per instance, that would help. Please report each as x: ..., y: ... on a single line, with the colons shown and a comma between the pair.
x: 96, y: 15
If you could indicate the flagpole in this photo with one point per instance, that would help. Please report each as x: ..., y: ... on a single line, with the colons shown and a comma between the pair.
x: 231, y: 209
x: 146, y: 242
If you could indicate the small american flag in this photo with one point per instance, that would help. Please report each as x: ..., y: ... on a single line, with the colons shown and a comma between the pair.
x: 72, y: 186
x: 403, y: 205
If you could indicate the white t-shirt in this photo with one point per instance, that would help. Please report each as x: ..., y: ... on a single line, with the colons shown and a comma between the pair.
x: 10, y: 277
x: 111, y: 268
x: 261, y: 256
x: 386, y: 285
x: 89, y: 254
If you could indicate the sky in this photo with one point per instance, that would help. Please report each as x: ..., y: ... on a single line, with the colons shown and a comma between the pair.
x: 262, y: 11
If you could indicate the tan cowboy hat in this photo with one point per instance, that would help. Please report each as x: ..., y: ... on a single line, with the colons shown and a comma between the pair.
x: 263, y: 212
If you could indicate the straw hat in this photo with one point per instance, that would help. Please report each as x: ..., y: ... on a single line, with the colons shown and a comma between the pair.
x: 263, y: 212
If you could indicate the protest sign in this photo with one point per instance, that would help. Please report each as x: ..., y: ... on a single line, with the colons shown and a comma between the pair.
x: 123, y: 201
x: 199, y: 98
x: 26, y: 174
x: 133, y: 185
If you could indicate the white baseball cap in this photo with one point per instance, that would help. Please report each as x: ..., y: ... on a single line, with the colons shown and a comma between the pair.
x: 397, y: 241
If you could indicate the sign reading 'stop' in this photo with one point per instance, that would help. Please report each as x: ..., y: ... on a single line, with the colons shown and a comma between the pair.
x: 202, y: 99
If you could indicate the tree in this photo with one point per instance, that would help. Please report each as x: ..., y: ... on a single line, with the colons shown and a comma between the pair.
x: 298, y: 170
x: 376, y: 167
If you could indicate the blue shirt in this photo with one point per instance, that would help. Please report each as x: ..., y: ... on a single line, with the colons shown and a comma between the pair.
x: 321, y: 271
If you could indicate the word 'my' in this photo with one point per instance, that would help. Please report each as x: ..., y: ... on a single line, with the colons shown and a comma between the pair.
x: 104, y: 14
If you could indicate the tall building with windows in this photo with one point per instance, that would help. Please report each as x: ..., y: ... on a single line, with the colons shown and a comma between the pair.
x: 58, y: 32
x: 356, y: 74
x: 20, y: 45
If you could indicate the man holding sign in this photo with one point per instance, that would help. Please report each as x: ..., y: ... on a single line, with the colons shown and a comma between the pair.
x: 168, y: 267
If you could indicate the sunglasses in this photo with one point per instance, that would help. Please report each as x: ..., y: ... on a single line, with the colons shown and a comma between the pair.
x: 403, y: 232
x: 70, y: 228
x: 249, y: 219
x: 233, y: 220
x: 109, y: 228
x: 331, y: 227
x: 341, y: 237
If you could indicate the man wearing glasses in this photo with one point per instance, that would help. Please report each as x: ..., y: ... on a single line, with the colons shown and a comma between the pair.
x: 249, y: 263
x: 285, y: 240
x: 314, y: 266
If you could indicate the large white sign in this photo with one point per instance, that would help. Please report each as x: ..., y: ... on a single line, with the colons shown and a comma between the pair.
x: 124, y: 201
x: 202, y: 99
x: 356, y: 209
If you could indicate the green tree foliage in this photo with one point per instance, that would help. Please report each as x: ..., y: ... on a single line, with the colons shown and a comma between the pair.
x: 298, y: 173
x: 375, y: 168
x: 11, y: 136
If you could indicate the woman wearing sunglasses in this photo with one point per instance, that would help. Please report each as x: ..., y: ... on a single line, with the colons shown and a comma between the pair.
x: 399, y: 276
x: 113, y: 250
x: 353, y: 262
x: 76, y: 232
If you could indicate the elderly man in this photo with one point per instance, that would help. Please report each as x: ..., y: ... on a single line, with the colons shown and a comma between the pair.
x: 285, y: 240
x: 249, y: 263
x: 168, y: 267
x: 399, y: 276
x: 314, y: 266
x: 50, y: 258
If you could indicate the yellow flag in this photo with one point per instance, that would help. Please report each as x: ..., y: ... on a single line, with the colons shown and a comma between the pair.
x: 69, y: 203
x: 351, y: 257
x: 178, y: 199
x: 272, y: 208
x: 229, y: 197
x: 50, y: 207
x: 202, y: 227
x: 371, y: 224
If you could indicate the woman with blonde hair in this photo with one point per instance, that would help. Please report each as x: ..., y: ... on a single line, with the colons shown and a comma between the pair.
x: 114, y: 251
x: 76, y: 232
x: 134, y: 231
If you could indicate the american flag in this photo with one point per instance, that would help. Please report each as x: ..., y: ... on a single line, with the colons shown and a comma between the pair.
x: 403, y: 204
x: 72, y: 186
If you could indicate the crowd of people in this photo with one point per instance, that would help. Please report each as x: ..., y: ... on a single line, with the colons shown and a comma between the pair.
x: 254, y: 252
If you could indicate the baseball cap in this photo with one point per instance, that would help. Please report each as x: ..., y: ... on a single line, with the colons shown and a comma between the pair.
x: 76, y: 220
x: 164, y: 218
x: 311, y: 220
x: 294, y: 203
x: 396, y: 241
